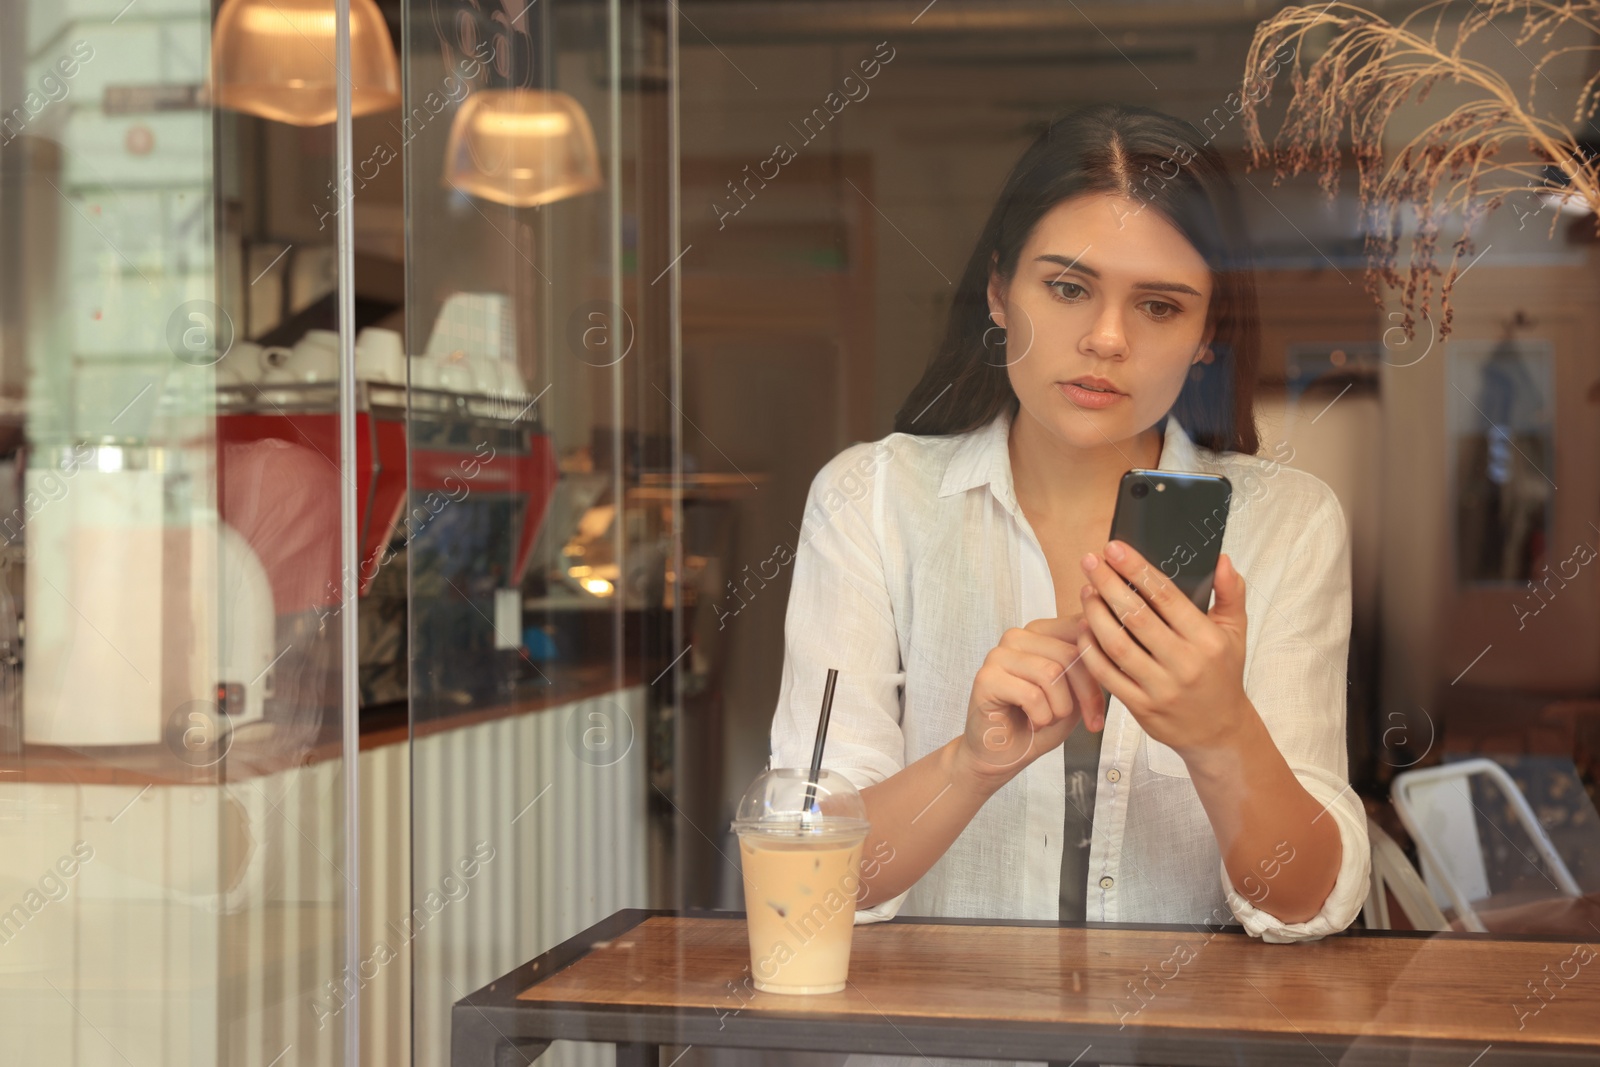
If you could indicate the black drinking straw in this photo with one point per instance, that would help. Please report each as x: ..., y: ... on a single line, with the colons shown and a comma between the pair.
x: 822, y: 737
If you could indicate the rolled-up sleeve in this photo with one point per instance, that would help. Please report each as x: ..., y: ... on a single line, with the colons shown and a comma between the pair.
x: 1296, y: 681
x: 840, y: 615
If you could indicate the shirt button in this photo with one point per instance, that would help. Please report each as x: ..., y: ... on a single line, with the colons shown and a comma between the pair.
x: 1106, y: 882
x: 1113, y: 775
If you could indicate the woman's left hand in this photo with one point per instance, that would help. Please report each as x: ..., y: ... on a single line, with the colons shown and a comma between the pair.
x: 1185, y: 686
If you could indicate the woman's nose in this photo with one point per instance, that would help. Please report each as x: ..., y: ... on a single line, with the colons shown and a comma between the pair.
x: 1106, y: 337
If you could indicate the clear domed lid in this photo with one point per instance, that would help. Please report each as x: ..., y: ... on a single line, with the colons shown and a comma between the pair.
x: 782, y: 802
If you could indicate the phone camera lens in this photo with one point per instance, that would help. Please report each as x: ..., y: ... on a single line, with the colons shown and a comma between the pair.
x: 1141, y: 490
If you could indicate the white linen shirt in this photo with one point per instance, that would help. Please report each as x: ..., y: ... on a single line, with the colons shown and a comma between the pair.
x: 914, y: 558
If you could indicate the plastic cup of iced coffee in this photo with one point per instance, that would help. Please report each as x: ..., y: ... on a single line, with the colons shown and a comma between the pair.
x: 800, y: 851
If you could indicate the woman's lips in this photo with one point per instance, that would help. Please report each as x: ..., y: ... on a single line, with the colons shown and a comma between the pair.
x: 1088, y: 398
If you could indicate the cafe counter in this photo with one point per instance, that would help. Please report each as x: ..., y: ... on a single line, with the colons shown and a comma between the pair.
x: 495, y: 834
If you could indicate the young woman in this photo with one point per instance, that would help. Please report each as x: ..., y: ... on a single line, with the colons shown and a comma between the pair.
x: 958, y: 575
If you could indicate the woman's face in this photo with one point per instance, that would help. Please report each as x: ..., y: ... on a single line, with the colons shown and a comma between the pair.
x: 1104, y: 316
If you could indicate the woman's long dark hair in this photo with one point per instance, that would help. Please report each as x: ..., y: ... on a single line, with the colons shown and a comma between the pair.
x: 1158, y: 162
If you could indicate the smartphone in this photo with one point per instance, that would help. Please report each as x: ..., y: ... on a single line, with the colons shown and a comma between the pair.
x: 1175, y: 520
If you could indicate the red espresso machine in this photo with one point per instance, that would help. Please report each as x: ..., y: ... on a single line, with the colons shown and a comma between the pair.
x: 482, y: 473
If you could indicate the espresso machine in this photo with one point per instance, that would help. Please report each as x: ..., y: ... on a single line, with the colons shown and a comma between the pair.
x: 482, y: 471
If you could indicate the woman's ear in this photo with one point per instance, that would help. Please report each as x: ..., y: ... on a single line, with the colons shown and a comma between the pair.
x: 1203, y: 354
x: 996, y: 292
x: 997, y: 300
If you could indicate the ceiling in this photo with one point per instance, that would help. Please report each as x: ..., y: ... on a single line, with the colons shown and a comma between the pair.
x: 762, y: 21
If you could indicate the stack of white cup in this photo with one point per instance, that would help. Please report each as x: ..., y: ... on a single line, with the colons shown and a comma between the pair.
x: 486, y: 367
x: 472, y: 348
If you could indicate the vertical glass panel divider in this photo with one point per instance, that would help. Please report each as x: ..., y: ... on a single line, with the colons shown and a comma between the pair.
x: 175, y: 453
x: 618, y: 376
x: 349, y: 531
x: 674, y: 280
x: 534, y: 588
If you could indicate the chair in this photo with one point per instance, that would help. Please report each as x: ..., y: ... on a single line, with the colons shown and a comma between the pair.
x: 1435, y: 804
x: 1392, y: 873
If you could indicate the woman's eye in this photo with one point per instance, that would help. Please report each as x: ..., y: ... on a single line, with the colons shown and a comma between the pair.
x: 1066, y: 290
x: 1160, y: 309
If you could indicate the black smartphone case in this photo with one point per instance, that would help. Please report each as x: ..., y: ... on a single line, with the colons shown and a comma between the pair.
x: 1176, y: 521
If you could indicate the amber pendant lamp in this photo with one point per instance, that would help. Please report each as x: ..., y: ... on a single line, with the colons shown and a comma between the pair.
x: 522, y: 148
x: 274, y: 58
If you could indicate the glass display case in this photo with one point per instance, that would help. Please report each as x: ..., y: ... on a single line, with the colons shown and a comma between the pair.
x: 328, y: 409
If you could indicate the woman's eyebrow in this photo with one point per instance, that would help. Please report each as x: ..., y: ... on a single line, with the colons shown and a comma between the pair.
x: 1084, y: 268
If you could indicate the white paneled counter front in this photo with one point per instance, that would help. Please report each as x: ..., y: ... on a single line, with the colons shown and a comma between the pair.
x: 190, y: 925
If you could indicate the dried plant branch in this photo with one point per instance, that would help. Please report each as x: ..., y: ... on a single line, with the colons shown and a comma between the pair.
x: 1457, y: 167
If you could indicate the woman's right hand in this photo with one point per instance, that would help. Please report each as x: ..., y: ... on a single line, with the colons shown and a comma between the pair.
x: 1026, y: 698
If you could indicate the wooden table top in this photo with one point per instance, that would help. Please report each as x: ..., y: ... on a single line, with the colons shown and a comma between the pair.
x: 1134, y: 991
